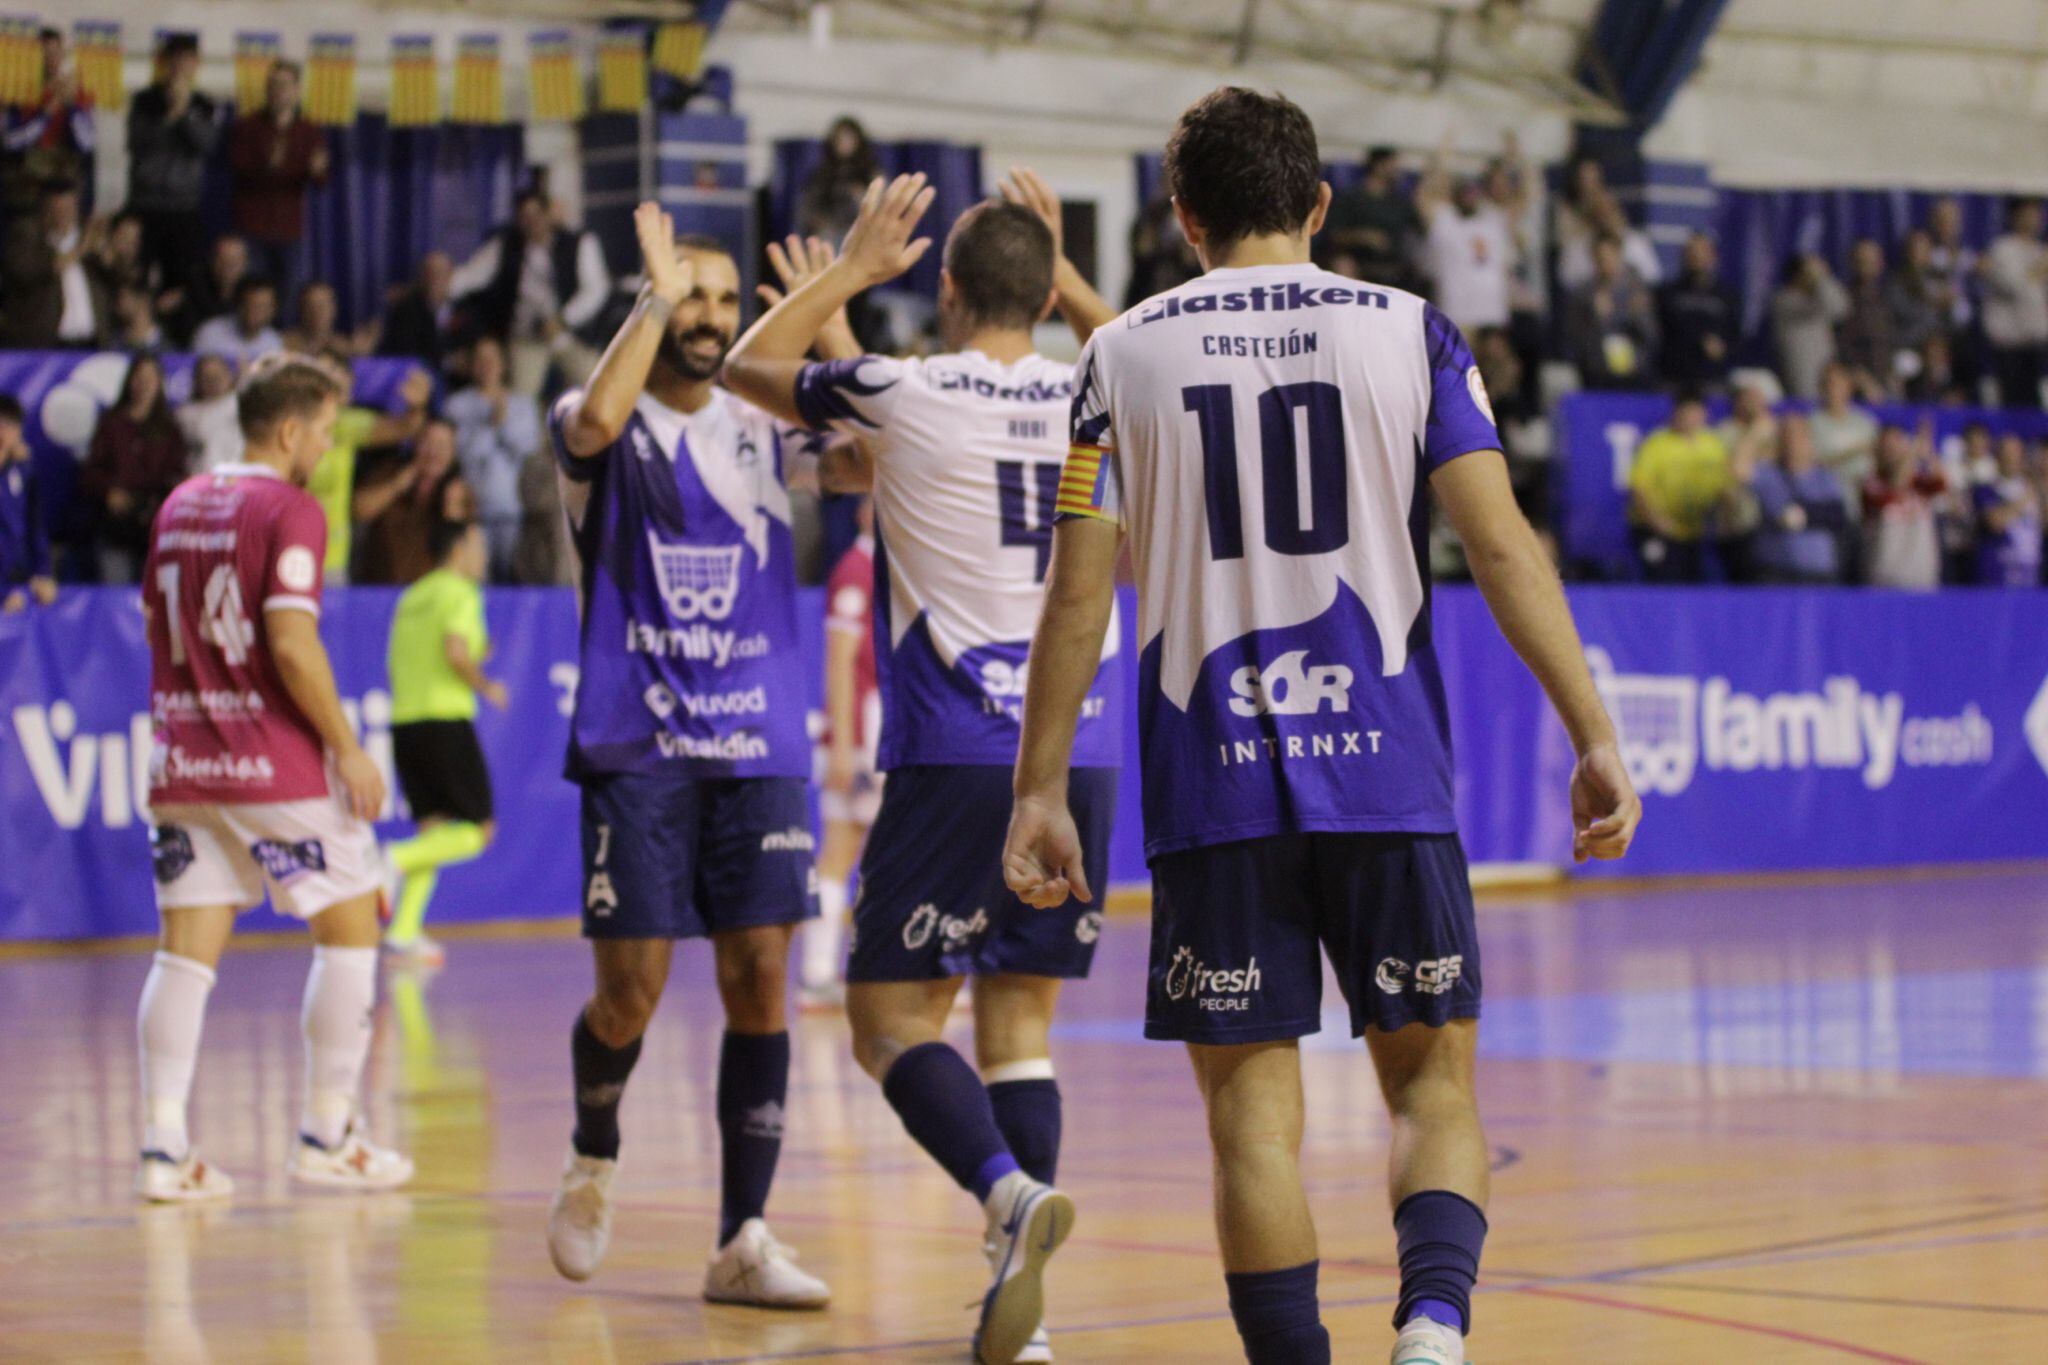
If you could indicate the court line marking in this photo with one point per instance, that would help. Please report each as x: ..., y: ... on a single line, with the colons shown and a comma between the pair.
x: 1832, y: 1240
x: 1871, y: 1300
x: 1708, y: 1319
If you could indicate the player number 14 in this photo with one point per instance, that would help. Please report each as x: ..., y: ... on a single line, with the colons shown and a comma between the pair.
x: 1308, y: 510
x: 222, y: 621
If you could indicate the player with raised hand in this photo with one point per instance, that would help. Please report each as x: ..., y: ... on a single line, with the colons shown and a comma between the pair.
x: 257, y: 782
x: 688, y: 741
x: 966, y: 450
x: 1270, y: 435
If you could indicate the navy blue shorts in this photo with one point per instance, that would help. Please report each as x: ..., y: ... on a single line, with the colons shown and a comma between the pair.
x: 932, y: 901
x: 671, y: 856
x: 1238, y: 932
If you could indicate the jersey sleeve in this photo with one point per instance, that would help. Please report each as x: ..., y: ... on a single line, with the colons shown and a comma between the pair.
x: 578, y: 468
x: 298, y: 549
x: 1090, y: 483
x: 853, y: 396
x: 1460, y: 413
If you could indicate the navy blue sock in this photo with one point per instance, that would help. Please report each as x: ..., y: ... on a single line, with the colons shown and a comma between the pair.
x: 1278, y: 1317
x: 944, y: 1106
x: 601, y: 1073
x: 1028, y: 1113
x: 753, y: 1082
x: 1440, y: 1235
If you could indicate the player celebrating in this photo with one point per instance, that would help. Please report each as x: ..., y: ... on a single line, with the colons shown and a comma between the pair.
x: 436, y: 660
x: 257, y: 779
x: 1270, y: 435
x: 688, y: 741
x: 967, y: 450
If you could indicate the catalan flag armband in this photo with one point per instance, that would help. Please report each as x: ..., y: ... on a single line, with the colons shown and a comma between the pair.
x: 1088, y: 485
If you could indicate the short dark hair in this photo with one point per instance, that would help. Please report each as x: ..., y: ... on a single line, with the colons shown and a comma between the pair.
x: 704, y: 241
x: 178, y: 45
x: 1377, y: 156
x: 444, y: 536
x: 280, y: 386
x: 1244, y: 164
x: 10, y: 410
x: 249, y: 284
x: 1000, y: 257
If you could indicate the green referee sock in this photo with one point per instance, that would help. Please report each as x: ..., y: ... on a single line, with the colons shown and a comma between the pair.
x: 420, y: 860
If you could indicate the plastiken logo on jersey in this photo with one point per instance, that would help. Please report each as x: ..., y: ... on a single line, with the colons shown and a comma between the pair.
x: 1434, y: 977
x: 1285, y: 687
x: 1266, y: 298
x: 1211, y: 989
x: 696, y: 581
x: 1672, y: 724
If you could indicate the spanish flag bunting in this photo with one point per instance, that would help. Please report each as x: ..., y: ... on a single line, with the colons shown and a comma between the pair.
x: 99, y: 62
x: 21, y: 62
x: 415, y: 81
x: 254, y: 54
x: 679, y: 50
x: 479, y: 80
x: 622, y: 70
x: 557, y: 89
x: 331, y: 79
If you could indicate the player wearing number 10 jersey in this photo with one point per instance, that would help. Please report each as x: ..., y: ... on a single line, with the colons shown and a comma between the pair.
x: 1270, y: 436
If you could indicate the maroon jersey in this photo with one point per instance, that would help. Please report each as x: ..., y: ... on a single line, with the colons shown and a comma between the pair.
x: 849, y: 602
x: 227, y: 547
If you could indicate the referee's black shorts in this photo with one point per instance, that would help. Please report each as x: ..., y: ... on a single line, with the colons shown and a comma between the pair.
x: 441, y: 770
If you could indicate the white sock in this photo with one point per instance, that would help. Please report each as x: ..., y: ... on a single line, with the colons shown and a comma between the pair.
x: 823, y: 935
x: 341, y: 989
x: 1003, y: 1195
x: 167, y: 1027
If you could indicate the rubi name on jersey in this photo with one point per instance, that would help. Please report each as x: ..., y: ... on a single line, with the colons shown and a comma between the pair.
x: 1275, y: 298
x: 698, y: 643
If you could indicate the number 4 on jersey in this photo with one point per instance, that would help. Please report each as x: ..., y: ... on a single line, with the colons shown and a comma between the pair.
x: 223, y: 622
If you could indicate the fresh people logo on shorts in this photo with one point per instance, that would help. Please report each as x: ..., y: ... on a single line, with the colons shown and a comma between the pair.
x: 953, y: 931
x: 1210, y: 988
x: 696, y: 581
x: 285, y: 860
x: 1088, y: 928
x: 1434, y: 977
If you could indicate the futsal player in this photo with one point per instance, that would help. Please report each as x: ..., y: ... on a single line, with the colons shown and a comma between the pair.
x: 966, y: 450
x: 436, y: 658
x: 1271, y: 435
x: 688, y: 741
x: 257, y: 781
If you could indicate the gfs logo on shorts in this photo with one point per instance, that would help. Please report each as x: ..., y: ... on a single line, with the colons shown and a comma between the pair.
x: 1434, y: 977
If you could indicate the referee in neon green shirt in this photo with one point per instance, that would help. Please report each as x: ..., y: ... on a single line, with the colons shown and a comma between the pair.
x: 438, y: 647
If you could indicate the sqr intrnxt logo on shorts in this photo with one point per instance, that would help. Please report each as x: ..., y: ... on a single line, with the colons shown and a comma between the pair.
x: 1673, y: 724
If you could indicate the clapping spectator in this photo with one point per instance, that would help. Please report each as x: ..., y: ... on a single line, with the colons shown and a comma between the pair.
x: 1802, y: 511
x: 830, y: 197
x: 399, y: 508
x: 172, y: 130
x: 1901, y: 504
x: 2015, y: 276
x: 24, y: 536
x: 496, y: 431
x: 205, y: 293
x: 48, y: 295
x: 1375, y: 223
x: 1804, y: 312
x: 1844, y: 434
x: 536, y: 285
x: 118, y: 262
x: 419, y: 319
x: 49, y: 142
x: 1610, y: 324
x: 2008, y: 508
x: 358, y: 431
x: 211, y: 419
x: 1697, y: 317
x: 317, y: 331
x: 1468, y: 247
x: 247, y: 334
x: 1680, y: 475
x: 137, y: 457
x: 276, y: 157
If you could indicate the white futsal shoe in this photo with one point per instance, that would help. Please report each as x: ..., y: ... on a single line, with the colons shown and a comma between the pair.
x: 354, y: 1163
x: 580, y: 1219
x: 1034, y: 1219
x: 1038, y: 1350
x: 753, y: 1268
x: 1425, y: 1341
x: 163, y: 1180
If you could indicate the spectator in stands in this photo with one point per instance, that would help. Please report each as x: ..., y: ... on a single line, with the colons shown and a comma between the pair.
x: 1934, y: 376
x: 496, y: 431
x: 830, y: 197
x: 276, y: 158
x: 1802, y: 511
x: 1697, y: 318
x: 2008, y: 508
x: 2015, y: 281
x: 1804, y: 312
x: 318, y: 328
x: 1678, y: 480
x: 1576, y: 223
x: 47, y: 143
x: 47, y: 295
x: 118, y: 262
x: 1863, y: 338
x: 419, y: 319
x: 137, y: 457
x: 204, y: 294
x: 247, y: 334
x: 1161, y: 258
x: 1844, y: 434
x: 543, y: 557
x: 1901, y: 540
x: 399, y: 507
x: 535, y: 285
x: 1917, y: 295
x: 172, y: 130
x: 1610, y: 324
x: 1750, y: 434
x: 24, y: 535
x: 1468, y: 246
x: 360, y: 434
x: 131, y: 321
x: 1955, y: 263
x: 1376, y: 224
x: 211, y: 418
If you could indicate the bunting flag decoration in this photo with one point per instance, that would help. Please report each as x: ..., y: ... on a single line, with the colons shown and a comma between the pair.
x: 679, y: 50
x: 21, y: 62
x: 556, y: 88
x: 254, y: 54
x: 479, y: 80
x: 331, y: 79
x: 622, y: 70
x: 98, y: 43
x: 415, y: 81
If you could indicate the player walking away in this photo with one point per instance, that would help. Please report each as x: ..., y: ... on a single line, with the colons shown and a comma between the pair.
x: 966, y: 450
x: 257, y: 780
x: 852, y: 790
x: 688, y: 742
x: 436, y: 657
x: 1270, y: 435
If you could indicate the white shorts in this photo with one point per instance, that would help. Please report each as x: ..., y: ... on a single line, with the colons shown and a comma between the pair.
x: 856, y: 807
x: 311, y: 855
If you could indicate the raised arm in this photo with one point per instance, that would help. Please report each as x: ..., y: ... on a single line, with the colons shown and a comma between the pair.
x: 1083, y: 308
x: 597, y: 417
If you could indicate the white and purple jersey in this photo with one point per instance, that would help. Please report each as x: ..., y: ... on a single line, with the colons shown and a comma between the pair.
x: 968, y: 455
x: 689, y: 642
x: 1266, y: 436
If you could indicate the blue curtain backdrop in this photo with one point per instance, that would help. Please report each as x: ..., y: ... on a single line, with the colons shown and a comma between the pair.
x: 954, y: 170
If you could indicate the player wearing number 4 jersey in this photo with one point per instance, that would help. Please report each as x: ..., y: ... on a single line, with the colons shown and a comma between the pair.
x: 1270, y: 436
x: 966, y: 450
x: 257, y: 784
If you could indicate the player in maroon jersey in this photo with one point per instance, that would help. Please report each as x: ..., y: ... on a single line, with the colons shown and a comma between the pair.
x: 257, y: 783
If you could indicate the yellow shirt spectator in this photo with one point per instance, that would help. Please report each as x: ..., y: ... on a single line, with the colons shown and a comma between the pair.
x: 1678, y: 478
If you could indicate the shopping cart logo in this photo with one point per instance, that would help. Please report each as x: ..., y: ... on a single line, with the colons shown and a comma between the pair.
x: 1657, y: 717
x: 696, y: 582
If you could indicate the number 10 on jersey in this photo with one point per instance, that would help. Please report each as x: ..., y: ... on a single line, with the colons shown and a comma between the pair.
x: 1303, y: 486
